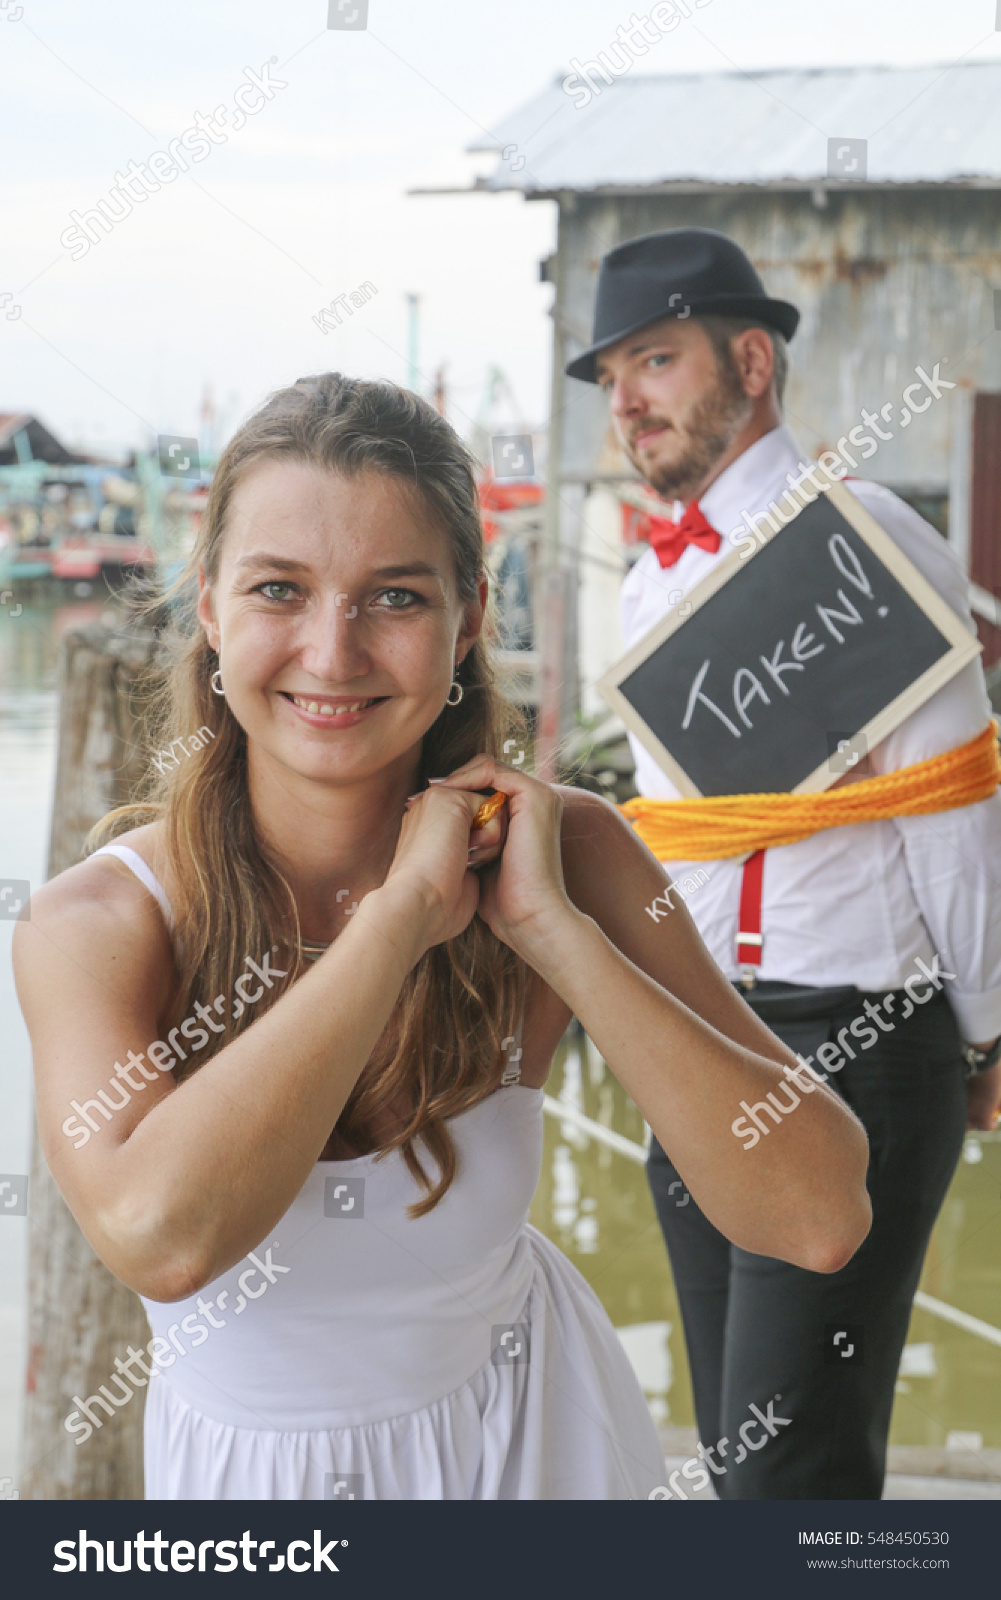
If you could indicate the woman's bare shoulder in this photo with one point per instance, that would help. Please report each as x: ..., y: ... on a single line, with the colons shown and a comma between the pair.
x: 105, y: 881
x: 598, y: 847
x: 99, y: 909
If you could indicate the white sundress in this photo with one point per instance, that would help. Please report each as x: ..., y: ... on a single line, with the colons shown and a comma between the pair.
x: 360, y: 1353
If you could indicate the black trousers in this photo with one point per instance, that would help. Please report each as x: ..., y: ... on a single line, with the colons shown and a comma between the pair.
x: 761, y: 1332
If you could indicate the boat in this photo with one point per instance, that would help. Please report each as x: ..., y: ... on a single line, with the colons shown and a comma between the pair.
x: 68, y: 522
x: 85, y: 556
x: 18, y: 562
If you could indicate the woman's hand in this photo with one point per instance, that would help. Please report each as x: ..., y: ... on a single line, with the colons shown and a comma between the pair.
x: 517, y: 854
x: 431, y: 863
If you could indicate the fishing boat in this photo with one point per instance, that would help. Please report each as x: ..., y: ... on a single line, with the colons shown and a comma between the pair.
x: 86, y: 556
x: 21, y: 562
x: 72, y: 521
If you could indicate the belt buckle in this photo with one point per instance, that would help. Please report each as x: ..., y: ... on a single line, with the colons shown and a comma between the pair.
x: 748, y: 972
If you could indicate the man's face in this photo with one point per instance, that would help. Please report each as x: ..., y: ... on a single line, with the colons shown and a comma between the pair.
x: 675, y: 409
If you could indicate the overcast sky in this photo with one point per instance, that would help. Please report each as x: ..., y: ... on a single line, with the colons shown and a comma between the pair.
x: 216, y: 277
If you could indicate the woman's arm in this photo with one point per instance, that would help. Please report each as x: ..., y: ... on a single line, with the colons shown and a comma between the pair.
x: 688, y: 1051
x: 177, y: 1185
x: 569, y: 894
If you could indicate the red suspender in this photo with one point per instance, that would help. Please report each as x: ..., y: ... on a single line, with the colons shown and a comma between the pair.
x: 749, y: 918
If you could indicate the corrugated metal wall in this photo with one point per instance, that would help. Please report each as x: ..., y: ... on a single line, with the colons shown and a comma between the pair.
x: 985, y: 512
x: 886, y: 281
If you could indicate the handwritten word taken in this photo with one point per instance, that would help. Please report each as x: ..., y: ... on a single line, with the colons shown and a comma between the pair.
x: 826, y: 626
x: 747, y: 686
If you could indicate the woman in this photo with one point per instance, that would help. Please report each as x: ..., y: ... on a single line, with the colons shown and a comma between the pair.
x: 318, y: 1176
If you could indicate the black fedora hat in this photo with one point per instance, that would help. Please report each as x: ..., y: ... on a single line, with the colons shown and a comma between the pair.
x: 676, y: 273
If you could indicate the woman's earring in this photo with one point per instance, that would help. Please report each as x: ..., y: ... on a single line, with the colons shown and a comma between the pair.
x: 449, y: 701
x: 217, y: 688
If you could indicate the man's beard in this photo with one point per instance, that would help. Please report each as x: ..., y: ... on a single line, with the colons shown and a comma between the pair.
x: 711, y: 427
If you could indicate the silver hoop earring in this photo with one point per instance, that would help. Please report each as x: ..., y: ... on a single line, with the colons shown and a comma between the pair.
x: 217, y: 688
x: 448, y: 698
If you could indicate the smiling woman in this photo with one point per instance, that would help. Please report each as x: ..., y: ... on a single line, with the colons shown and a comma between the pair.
x: 426, y: 1342
x: 339, y: 569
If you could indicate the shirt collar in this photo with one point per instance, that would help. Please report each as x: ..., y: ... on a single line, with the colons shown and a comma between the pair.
x: 748, y: 483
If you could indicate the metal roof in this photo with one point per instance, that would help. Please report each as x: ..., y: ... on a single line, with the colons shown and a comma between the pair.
x: 43, y: 444
x: 12, y: 422
x: 937, y: 124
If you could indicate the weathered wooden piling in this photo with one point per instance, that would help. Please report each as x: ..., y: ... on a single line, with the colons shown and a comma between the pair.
x: 80, y: 1316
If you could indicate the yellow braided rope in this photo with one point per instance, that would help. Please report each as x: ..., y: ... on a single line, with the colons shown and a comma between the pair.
x: 713, y: 827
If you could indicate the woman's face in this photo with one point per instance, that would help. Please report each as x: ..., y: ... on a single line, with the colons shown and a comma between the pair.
x: 333, y: 591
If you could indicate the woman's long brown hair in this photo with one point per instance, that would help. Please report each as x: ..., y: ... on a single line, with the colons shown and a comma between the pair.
x: 441, y: 1050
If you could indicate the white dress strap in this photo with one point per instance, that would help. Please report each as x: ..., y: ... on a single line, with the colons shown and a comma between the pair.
x: 143, y: 872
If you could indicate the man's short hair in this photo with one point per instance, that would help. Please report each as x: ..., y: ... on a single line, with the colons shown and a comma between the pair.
x: 722, y: 329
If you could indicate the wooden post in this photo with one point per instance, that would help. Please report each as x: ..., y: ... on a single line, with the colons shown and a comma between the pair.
x: 550, y: 594
x: 80, y: 1316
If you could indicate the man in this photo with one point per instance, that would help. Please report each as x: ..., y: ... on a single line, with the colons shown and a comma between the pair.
x: 692, y: 354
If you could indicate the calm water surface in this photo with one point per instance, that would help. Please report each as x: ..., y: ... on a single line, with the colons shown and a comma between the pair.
x: 592, y: 1202
x: 596, y: 1206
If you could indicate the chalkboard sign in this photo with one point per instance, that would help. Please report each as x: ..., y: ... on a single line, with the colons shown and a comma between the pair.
x: 792, y: 661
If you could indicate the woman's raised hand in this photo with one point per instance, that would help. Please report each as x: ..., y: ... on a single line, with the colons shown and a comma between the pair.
x: 510, y: 871
x: 431, y: 862
x: 517, y: 855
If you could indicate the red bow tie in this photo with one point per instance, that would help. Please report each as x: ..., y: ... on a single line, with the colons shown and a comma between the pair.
x: 669, y: 539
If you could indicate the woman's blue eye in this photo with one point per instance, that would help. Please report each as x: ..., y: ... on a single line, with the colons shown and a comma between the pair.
x: 399, y: 599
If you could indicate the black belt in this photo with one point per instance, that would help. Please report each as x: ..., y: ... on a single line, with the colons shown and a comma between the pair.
x: 795, y: 1002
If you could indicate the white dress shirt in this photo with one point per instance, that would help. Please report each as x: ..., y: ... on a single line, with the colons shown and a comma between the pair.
x: 857, y: 904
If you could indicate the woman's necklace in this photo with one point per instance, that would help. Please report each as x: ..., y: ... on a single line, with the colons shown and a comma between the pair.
x: 313, y: 951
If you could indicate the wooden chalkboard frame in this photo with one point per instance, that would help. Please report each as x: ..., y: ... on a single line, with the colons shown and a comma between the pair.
x: 964, y: 646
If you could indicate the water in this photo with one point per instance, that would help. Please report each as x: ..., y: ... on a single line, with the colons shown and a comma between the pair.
x: 592, y: 1202
x: 28, y: 650
x: 596, y: 1206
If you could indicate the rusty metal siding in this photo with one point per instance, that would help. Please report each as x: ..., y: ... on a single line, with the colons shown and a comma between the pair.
x: 886, y: 282
x: 985, y: 512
